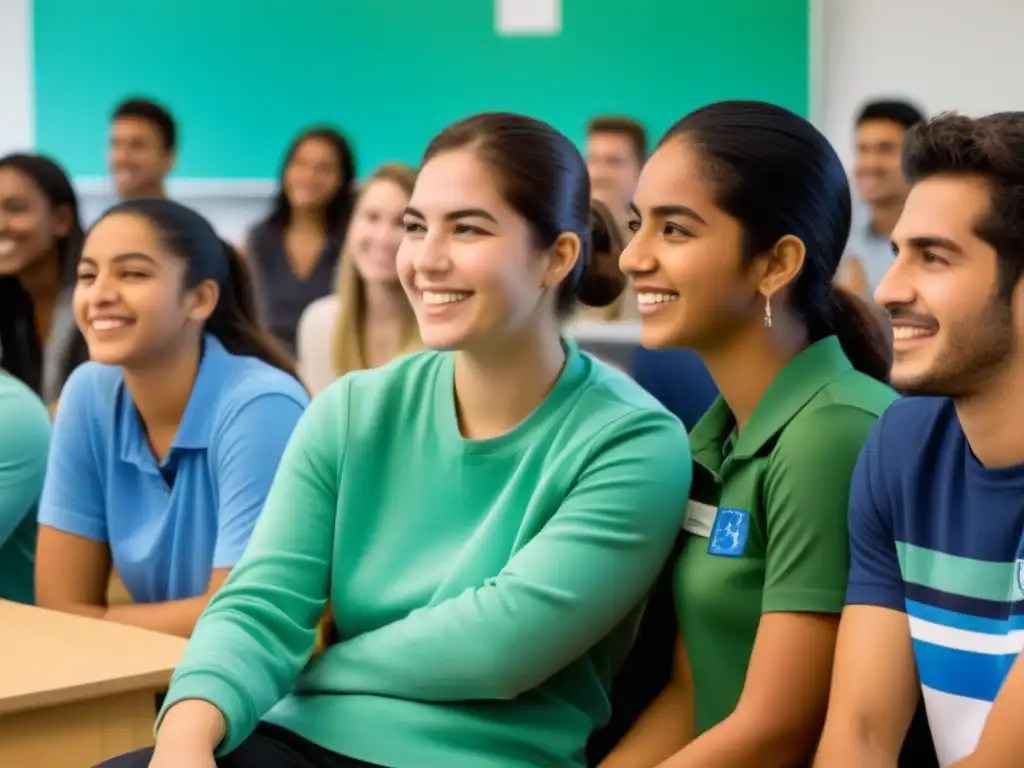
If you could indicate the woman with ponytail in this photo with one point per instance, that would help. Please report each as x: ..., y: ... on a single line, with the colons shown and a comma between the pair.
x: 741, y: 216
x: 165, y: 443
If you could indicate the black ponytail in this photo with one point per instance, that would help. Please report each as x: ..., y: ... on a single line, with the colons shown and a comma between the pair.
x: 863, y: 334
x: 235, y: 321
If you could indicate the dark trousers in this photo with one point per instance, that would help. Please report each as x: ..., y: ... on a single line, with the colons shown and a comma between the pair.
x: 268, y: 747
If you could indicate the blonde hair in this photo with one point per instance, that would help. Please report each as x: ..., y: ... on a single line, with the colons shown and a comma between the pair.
x: 346, y: 340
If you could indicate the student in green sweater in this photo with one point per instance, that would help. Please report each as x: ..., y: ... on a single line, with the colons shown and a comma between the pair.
x: 741, y: 216
x: 485, y: 518
x: 24, y: 442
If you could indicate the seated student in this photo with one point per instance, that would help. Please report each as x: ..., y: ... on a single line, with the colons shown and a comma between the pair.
x: 24, y: 439
x: 368, y: 320
x: 166, y: 442
x: 937, y: 507
x: 609, y: 242
x: 40, y: 241
x: 486, y: 518
x: 294, y: 250
x: 734, y: 255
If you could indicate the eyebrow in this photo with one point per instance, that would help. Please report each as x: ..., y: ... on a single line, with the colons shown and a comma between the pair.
x: 664, y: 211
x: 122, y: 257
x: 924, y: 243
x: 462, y: 213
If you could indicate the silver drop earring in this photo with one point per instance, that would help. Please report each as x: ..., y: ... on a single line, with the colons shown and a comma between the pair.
x: 767, y: 311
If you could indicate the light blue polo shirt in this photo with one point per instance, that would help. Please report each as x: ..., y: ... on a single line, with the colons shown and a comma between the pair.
x: 169, y: 525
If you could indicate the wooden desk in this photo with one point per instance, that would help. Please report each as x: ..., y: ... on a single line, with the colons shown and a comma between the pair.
x: 77, y: 691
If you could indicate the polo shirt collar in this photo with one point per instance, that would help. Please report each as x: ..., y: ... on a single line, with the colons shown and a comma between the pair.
x: 805, y: 375
x: 196, y: 426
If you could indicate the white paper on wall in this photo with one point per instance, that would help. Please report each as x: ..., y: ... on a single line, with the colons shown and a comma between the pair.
x: 528, y: 17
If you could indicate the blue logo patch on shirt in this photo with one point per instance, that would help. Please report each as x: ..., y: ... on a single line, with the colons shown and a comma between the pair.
x: 729, y: 533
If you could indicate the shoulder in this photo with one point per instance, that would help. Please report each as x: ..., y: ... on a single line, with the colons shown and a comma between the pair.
x: 610, y: 407
x: 319, y: 316
x: 25, y: 419
x: 403, y: 384
x: 250, y: 382
x: 90, y: 387
x: 912, y: 432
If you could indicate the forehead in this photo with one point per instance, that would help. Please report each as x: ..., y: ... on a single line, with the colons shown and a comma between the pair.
x: 609, y: 142
x: 673, y: 174
x: 121, y: 233
x: 880, y: 131
x: 382, y: 193
x: 455, y: 180
x: 946, y: 207
x: 315, y: 150
x: 15, y: 183
x: 136, y: 127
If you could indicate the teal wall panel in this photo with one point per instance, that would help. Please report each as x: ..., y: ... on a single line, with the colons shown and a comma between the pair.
x: 243, y: 76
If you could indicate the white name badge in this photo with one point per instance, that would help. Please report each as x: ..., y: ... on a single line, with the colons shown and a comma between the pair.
x: 699, y: 518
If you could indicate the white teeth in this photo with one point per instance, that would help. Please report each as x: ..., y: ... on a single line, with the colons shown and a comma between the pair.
x: 910, y: 332
x: 655, y: 298
x: 107, y: 324
x: 430, y: 297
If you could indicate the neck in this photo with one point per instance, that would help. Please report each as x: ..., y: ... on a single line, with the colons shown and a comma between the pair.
x: 41, y: 280
x: 161, y: 391
x: 306, y: 219
x: 995, y: 432
x: 885, y: 216
x: 152, y: 190
x: 383, y: 302
x: 744, y: 368
x: 495, y: 391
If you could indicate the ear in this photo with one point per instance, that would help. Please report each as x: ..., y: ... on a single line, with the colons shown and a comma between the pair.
x: 63, y: 219
x: 170, y: 161
x: 562, y: 257
x: 202, y: 300
x: 781, y: 265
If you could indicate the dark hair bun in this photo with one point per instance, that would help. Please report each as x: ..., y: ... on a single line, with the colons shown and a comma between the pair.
x: 603, y: 282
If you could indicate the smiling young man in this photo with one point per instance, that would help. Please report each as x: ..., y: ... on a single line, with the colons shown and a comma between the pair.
x: 143, y: 143
x: 882, y: 188
x: 935, y: 604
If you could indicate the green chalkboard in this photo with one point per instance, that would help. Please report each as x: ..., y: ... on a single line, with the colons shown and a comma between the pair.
x: 243, y: 76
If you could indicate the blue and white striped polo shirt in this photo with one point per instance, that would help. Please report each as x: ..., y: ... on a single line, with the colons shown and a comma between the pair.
x: 937, y: 535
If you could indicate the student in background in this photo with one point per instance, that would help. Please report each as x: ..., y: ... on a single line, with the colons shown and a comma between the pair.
x: 878, y: 175
x: 165, y: 443
x: 294, y: 251
x: 485, y: 518
x: 368, y: 321
x: 24, y: 439
x: 607, y: 242
x: 143, y: 143
x: 616, y: 151
x: 734, y: 256
x: 937, y: 506
x: 40, y: 241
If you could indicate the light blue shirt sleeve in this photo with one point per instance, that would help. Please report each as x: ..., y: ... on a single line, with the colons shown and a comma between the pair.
x: 245, y: 454
x: 24, y: 438
x: 73, y: 492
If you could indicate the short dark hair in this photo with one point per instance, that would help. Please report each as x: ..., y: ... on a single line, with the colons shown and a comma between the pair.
x: 778, y: 175
x: 992, y: 148
x: 151, y: 112
x: 624, y: 126
x: 896, y: 111
x: 543, y: 177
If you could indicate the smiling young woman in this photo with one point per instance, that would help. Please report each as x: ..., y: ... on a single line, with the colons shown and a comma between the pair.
x: 485, y: 517
x: 165, y: 442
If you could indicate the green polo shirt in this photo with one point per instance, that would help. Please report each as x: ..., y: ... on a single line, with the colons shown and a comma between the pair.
x: 766, y: 525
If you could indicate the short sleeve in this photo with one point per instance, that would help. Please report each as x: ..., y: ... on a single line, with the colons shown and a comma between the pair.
x: 807, y: 492
x: 24, y: 440
x: 875, y: 576
x: 72, y: 498
x: 246, y: 452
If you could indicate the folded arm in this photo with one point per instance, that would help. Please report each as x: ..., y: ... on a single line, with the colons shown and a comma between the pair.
x: 564, y: 591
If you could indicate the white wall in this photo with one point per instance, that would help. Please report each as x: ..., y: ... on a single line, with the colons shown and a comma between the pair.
x: 944, y: 54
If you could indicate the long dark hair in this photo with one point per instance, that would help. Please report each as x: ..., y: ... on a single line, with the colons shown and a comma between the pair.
x: 339, y: 208
x: 235, y: 319
x: 21, y: 350
x: 778, y: 175
x: 543, y: 178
